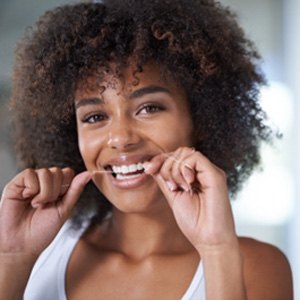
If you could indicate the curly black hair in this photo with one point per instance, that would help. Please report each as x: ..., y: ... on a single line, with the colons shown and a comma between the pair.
x: 196, y: 42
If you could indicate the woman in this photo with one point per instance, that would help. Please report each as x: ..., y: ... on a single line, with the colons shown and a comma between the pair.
x: 148, y: 113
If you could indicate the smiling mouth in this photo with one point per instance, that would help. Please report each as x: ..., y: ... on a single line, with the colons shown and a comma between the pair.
x: 126, y: 171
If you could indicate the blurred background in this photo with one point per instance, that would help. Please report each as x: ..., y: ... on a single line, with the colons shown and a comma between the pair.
x: 268, y: 208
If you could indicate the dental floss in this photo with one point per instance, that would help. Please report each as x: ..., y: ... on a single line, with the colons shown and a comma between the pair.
x: 65, y: 185
x: 98, y: 171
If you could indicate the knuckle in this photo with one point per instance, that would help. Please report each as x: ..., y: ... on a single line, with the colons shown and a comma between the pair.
x: 44, y: 172
x: 68, y: 169
x: 58, y: 174
x: 55, y: 170
x: 28, y: 172
x: 68, y: 172
x: 179, y: 150
x: 186, y: 149
x: 220, y: 175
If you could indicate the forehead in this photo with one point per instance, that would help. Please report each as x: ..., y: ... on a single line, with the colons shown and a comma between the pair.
x: 127, y: 81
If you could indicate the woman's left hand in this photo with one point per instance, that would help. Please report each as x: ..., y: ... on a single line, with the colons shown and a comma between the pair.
x: 196, y: 190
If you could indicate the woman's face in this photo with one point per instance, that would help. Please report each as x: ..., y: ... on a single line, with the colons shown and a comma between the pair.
x: 127, y: 124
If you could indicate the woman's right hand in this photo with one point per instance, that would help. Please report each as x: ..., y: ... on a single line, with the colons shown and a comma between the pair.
x: 34, y: 206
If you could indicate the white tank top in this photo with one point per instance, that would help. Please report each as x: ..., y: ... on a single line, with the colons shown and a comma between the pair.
x: 47, y: 279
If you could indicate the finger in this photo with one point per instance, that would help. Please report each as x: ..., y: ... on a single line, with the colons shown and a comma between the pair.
x: 153, y: 166
x: 168, y: 172
x: 181, y: 173
x: 168, y: 188
x: 54, y: 183
x: 72, y: 195
x: 68, y: 175
x: 25, y: 185
x: 171, y: 159
x: 46, y: 187
x: 187, y: 172
x: 57, y: 178
x: 206, y: 173
x: 173, y: 167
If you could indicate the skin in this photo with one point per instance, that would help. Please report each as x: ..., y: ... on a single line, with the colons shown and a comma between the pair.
x: 162, y: 223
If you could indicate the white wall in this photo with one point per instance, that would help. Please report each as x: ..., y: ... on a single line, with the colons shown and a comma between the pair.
x: 292, y: 72
x: 274, y: 27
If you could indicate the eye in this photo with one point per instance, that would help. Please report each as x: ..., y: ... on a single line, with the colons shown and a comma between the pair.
x: 150, y: 108
x: 94, y: 118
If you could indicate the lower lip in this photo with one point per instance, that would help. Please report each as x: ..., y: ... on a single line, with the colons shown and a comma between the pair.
x: 129, y: 183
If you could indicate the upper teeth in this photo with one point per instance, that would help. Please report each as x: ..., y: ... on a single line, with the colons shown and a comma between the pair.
x: 127, y: 169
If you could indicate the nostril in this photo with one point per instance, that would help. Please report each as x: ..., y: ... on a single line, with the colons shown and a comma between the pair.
x: 122, y: 138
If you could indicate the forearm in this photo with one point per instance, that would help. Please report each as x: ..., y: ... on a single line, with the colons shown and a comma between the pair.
x: 223, y: 271
x: 14, y: 274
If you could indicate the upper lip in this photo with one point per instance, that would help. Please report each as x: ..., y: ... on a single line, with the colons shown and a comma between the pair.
x: 126, y: 160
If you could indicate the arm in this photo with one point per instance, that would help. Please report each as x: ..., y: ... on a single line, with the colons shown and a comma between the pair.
x: 14, y: 273
x: 267, y: 271
x: 33, y: 208
x: 223, y: 269
x: 196, y: 191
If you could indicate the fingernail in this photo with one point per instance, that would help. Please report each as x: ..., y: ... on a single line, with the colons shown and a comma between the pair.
x: 171, y: 185
x: 146, y: 166
x: 36, y: 204
x: 185, y: 187
x: 87, y: 177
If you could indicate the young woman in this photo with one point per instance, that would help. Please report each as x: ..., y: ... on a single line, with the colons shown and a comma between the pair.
x: 135, y: 123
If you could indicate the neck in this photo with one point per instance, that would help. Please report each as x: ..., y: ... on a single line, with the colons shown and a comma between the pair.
x: 141, y: 235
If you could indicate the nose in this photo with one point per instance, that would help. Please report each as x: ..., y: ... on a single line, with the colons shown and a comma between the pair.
x: 122, y: 135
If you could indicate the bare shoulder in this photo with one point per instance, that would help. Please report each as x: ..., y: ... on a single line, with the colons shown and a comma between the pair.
x: 267, y: 271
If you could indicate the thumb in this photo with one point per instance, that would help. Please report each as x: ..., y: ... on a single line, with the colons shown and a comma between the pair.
x: 152, y: 168
x: 72, y: 195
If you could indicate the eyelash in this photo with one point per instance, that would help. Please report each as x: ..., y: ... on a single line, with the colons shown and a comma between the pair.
x: 94, y: 118
x: 99, y: 117
x: 151, y: 108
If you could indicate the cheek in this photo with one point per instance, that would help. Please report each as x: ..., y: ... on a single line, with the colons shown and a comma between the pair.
x: 171, y: 134
x: 90, y: 145
x: 178, y: 130
x: 178, y: 137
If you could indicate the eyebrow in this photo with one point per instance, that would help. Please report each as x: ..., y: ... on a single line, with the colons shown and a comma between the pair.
x: 88, y: 101
x: 135, y: 94
x: 148, y: 90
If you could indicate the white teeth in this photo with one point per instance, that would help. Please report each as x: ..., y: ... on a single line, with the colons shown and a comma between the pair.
x: 127, y: 169
x: 124, y: 169
x: 132, y: 168
x: 120, y: 176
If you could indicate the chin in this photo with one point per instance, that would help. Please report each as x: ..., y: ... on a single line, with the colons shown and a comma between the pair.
x: 137, y: 201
